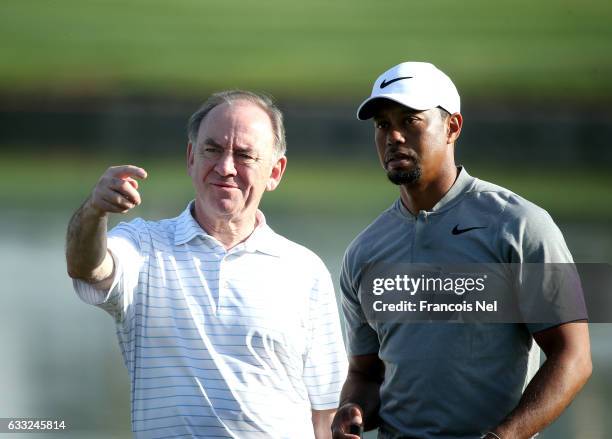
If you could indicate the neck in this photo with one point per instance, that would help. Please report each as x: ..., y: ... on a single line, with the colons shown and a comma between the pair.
x: 229, y: 231
x: 425, y: 194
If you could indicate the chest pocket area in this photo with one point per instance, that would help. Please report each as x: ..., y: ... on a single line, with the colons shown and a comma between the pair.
x: 498, y: 340
x: 266, y: 305
x: 424, y: 341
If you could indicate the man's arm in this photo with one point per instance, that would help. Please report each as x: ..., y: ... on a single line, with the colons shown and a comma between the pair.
x: 321, y: 422
x: 359, y: 399
x: 87, y: 257
x: 566, y: 369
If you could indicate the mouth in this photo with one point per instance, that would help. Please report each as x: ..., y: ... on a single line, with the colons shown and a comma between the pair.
x: 225, y: 185
x: 398, y: 160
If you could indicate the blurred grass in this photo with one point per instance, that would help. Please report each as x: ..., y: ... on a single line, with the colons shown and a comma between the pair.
x: 324, y: 187
x: 513, y: 49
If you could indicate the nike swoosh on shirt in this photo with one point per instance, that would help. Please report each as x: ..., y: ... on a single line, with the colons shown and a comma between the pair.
x: 457, y: 231
x: 386, y: 83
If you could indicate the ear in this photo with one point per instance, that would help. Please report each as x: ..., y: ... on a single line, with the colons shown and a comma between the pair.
x: 189, y: 158
x: 276, y: 173
x: 455, y: 122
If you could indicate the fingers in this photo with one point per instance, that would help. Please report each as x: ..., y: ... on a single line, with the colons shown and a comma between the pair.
x: 125, y: 189
x: 110, y: 206
x: 127, y: 171
x: 347, y: 415
x: 116, y: 191
x: 132, y: 182
x: 354, y: 415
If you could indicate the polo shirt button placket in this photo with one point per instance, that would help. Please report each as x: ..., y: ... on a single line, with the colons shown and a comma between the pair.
x: 426, y: 243
x: 221, y: 282
x: 419, y: 226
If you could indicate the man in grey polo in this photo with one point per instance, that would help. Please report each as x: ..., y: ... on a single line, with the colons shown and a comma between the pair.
x: 436, y: 380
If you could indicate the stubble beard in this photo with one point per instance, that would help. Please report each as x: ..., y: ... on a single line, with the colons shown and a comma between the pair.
x: 404, y: 177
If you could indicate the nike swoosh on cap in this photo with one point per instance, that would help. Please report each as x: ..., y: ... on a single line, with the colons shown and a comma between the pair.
x: 386, y: 83
x: 457, y: 231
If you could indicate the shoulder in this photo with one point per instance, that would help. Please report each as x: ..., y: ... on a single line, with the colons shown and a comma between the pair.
x: 508, y: 204
x: 527, y: 228
x: 376, y: 236
x: 146, y: 230
x: 299, y: 256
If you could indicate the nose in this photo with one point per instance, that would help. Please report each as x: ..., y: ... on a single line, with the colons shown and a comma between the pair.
x: 394, y: 137
x: 225, y: 165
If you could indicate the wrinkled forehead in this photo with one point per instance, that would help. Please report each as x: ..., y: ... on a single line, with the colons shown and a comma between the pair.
x: 240, y: 121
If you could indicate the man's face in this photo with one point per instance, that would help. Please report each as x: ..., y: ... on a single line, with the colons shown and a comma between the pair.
x: 412, y: 145
x: 233, y: 161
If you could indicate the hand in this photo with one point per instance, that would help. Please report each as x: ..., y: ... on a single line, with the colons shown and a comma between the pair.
x: 116, y: 191
x: 347, y: 415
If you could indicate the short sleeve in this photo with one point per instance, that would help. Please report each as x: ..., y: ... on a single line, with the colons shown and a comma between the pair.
x: 361, y: 338
x: 550, y: 291
x: 325, y: 365
x: 124, y: 245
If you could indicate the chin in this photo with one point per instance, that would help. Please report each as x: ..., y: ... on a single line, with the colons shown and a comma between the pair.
x: 404, y: 177
x: 226, y: 209
x: 220, y: 206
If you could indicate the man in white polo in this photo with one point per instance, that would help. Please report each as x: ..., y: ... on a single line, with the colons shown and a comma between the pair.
x: 227, y: 329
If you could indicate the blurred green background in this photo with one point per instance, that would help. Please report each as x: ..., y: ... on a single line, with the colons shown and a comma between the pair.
x: 305, y: 50
x: 85, y: 85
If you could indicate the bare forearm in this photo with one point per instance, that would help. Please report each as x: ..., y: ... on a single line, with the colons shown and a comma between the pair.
x: 86, y: 243
x: 359, y: 399
x: 321, y: 423
x: 86, y: 253
x: 365, y: 393
x: 549, y: 393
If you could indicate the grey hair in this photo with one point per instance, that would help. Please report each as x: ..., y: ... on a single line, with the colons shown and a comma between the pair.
x: 229, y: 97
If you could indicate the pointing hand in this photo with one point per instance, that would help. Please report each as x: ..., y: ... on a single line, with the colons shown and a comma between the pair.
x: 116, y: 191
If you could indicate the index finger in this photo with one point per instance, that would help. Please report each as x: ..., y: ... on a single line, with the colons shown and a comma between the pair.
x: 351, y: 413
x: 128, y: 171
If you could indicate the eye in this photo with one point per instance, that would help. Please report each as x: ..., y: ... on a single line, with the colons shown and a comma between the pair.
x: 245, y: 157
x: 381, y: 124
x: 211, y: 152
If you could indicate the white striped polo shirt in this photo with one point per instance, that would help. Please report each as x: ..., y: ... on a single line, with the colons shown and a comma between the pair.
x: 239, y: 343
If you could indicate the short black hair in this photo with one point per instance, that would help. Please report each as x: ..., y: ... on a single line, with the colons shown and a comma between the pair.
x: 443, y: 113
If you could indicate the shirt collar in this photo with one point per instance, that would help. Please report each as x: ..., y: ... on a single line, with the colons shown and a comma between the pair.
x: 462, y: 185
x: 187, y: 227
x: 263, y: 238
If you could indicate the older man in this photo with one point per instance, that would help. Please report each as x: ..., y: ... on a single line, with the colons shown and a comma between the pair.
x: 437, y: 380
x: 227, y: 329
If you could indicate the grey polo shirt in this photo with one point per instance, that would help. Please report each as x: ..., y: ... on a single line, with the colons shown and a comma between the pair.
x: 450, y: 380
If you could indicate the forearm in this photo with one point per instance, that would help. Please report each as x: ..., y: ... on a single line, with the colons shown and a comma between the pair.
x: 321, y: 423
x: 364, y: 392
x: 550, y: 391
x: 86, y: 253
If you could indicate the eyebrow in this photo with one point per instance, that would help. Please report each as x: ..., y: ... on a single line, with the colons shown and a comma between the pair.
x: 212, y: 142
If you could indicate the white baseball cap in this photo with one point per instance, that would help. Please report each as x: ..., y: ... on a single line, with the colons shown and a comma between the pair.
x: 417, y: 85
